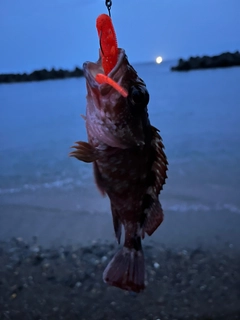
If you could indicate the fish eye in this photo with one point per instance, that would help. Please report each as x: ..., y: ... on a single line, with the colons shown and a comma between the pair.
x: 139, y: 96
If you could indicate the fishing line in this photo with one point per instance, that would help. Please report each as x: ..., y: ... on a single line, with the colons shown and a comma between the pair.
x: 108, y: 4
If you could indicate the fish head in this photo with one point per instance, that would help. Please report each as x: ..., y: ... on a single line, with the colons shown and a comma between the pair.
x: 112, y: 117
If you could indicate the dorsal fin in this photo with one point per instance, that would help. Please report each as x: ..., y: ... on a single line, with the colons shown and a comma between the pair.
x: 153, y: 214
x: 160, y: 163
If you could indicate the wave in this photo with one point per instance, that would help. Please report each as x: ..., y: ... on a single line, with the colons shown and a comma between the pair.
x: 168, y: 205
x: 184, y: 207
x: 67, y: 183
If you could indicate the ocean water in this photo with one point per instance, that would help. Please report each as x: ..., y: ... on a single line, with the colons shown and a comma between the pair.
x: 198, y: 114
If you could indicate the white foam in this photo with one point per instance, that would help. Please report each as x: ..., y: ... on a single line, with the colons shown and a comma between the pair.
x: 183, y: 207
x: 231, y: 208
x: 71, y: 183
x: 67, y: 183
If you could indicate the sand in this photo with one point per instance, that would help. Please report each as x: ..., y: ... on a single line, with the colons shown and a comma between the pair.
x: 180, y: 230
x: 66, y: 283
x: 192, y: 266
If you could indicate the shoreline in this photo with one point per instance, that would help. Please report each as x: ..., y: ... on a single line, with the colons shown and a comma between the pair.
x: 179, y: 230
x: 223, y: 60
x: 40, y: 75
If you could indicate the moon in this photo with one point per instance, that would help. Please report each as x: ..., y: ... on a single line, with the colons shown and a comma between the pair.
x: 159, y: 59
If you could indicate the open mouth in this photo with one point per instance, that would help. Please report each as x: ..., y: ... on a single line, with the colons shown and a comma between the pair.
x: 95, y: 76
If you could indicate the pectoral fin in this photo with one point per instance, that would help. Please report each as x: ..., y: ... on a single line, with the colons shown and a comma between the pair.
x: 84, y: 152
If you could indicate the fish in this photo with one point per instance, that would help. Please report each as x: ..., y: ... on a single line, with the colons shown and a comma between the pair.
x: 127, y: 153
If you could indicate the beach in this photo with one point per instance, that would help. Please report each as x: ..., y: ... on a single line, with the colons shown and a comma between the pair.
x: 52, y: 263
x: 66, y: 283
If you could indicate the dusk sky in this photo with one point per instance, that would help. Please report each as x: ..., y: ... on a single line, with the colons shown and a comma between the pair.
x: 38, y: 34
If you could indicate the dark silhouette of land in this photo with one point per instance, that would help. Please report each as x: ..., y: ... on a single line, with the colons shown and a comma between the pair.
x: 223, y: 60
x: 40, y: 75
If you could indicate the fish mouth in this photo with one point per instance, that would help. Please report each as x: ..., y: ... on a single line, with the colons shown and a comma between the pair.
x: 91, y: 69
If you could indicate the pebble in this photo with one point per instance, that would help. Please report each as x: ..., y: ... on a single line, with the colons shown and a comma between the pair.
x: 9, y: 267
x: 35, y: 249
x: 78, y: 284
x: 13, y: 288
x: 203, y: 287
x: 19, y: 239
x: 96, y: 262
x: 152, y: 272
x: 161, y: 299
x: 13, y: 296
x: 156, y: 265
x: 104, y: 259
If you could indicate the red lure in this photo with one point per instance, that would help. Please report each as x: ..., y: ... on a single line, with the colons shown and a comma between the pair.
x: 109, y: 51
x: 108, y: 42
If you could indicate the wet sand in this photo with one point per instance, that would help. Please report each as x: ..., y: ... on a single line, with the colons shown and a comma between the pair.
x: 180, y: 230
x: 192, y: 264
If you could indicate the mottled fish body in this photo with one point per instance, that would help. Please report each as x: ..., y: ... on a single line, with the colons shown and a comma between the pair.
x: 129, y: 164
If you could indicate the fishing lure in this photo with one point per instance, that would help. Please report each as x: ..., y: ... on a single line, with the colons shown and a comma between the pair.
x: 109, y: 52
x: 108, y: 42
x: 102, y: 78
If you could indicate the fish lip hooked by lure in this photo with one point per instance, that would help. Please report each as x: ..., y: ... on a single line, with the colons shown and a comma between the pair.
x: 91, y: 69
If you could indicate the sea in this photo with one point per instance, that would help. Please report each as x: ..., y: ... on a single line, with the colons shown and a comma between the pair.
x: 197, y: 112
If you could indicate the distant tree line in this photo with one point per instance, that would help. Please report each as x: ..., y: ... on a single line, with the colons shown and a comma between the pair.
x: 40, y: 75
x: 226, y: 59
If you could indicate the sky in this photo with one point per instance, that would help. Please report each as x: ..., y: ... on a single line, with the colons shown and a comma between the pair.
x: 37, y: 34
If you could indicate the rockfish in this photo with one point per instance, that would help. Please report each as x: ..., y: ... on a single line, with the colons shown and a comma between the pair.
x: 127, y: 154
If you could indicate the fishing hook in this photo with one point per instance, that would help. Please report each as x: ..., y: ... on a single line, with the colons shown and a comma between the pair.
x: 108, y: 4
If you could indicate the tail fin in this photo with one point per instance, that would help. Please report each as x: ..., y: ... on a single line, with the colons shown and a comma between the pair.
x: 126, y: 270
